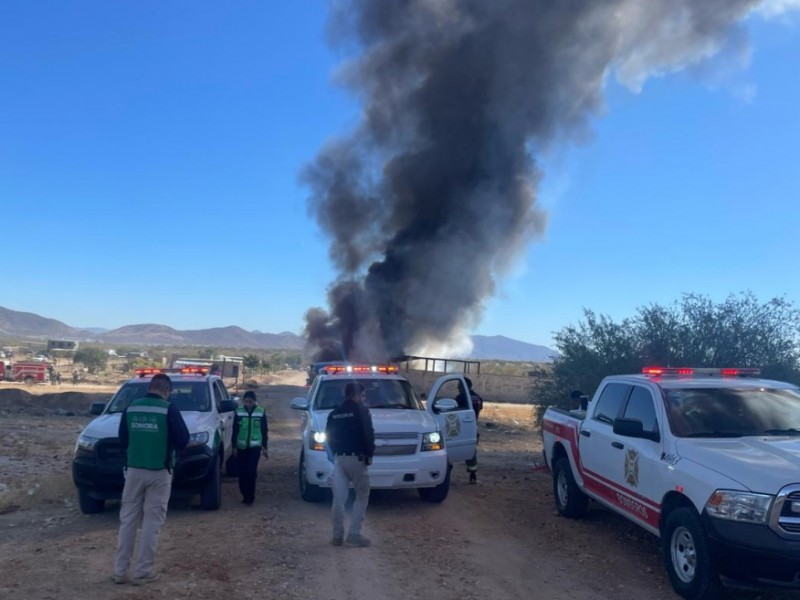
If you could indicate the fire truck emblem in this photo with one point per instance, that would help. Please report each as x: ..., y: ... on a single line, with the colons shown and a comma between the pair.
x: 632, y: 467
x: 452, y: 426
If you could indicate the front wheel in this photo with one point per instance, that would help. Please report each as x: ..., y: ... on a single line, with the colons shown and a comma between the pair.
x: 439, y: 493
x: 687, y: 556
x: 89, y: 505
x: 308, y: 491
x: 211, y: 495
x: 571, y: 502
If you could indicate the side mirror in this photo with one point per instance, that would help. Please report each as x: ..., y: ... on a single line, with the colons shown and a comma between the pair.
x: 228, y: 406
x: 97, y: 408
x: 299, y: 404
x: 444, y: 405
x: 635, y: 429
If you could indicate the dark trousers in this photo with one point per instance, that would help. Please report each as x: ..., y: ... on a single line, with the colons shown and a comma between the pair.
x: 248, y: 469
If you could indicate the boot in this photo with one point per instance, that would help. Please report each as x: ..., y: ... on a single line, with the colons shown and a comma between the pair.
x: 473, y: 477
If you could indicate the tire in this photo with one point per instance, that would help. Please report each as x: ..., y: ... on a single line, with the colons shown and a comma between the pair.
x: 211, y: 495
x: 571, y: 502
x: 308, y: 491
x: 439, y: 493
x: 28, y: 380
x: 89, y: 505
x: 687, y: 556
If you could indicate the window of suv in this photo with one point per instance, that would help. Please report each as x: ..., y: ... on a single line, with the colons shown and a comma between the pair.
x: 380, y: 393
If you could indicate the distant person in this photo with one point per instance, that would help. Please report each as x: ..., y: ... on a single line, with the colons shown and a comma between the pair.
x: 477, y: 406
x: 351, y: 439
x: 75, y: 377
x: 58, y: 377
x: 150, y: 431
x: 250, y: 435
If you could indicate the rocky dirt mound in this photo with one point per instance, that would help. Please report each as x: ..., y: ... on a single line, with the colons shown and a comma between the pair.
x: 15, y: 400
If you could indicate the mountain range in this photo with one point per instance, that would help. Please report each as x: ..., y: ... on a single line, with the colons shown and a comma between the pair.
x: 31, y: 326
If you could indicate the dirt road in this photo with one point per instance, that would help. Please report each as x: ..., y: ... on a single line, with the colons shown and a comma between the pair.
x: 499, y: 540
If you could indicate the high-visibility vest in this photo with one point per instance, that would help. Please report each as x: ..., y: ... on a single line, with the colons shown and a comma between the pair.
x: 249, y: 428
x: 148, y: 435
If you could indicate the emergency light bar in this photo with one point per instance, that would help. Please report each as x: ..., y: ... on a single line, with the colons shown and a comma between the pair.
x: 339, y: 369
x: 710, y: 372
x: 182, y: 371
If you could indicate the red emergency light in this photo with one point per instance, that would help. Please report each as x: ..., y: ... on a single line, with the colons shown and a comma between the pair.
x: 183, y: 371
x: 668, y: 371
x: 709, y: 372
x: 148, y: 371
x: 743, y: 372
x: 194, y: 370
x: 338, y: 369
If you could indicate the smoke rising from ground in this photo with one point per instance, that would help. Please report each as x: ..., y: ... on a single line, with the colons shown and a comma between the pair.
x: 430, y: 200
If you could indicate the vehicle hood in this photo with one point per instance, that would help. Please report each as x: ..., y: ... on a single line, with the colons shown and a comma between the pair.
x: 198, y: 421
x: 389, y: 420
x: 107, y: 425
x: 759, y: 463
x: 104, y: 426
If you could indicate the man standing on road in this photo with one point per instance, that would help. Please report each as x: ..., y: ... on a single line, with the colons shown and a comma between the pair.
x: 150, y: 430
x: 477, y: 407
x: 352, y: 440
x: 250, y: 434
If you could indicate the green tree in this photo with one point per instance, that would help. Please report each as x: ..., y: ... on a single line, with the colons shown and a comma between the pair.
x: 94, y: 359
x: 692, y: 332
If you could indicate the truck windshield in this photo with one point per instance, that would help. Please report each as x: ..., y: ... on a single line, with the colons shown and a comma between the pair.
x: 186, y: 395
x: 381, y: 393
x: 730, y: 412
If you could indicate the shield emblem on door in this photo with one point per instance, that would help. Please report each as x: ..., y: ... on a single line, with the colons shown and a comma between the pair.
x: 452, y: 426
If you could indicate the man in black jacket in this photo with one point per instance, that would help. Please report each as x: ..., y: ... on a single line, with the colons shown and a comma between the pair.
x: 352, y: 440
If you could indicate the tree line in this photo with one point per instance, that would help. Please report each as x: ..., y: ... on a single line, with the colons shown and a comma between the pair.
x: 691, y: 332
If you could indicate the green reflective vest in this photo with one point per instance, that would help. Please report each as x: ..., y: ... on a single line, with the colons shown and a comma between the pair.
x: 249, y: 428
x: 148, y: 437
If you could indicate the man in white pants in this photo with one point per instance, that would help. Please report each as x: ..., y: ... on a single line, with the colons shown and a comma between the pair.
x: 150, y: 430
x: 351, y: 438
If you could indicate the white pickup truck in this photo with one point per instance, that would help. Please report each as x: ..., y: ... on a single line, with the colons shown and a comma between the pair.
x: 206, y: 407
x: 706, y: 459
x: 415, y: 444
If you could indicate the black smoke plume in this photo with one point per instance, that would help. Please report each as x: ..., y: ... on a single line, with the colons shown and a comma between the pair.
x: 432, y: 197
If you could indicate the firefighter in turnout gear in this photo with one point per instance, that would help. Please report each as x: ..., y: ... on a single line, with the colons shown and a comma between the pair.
x: 250, y: 435
x: 477, y: 406
x: 150, y: 431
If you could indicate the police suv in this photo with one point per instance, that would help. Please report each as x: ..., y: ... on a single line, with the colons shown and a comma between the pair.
x: 206, y: 407
x: 415, y: 444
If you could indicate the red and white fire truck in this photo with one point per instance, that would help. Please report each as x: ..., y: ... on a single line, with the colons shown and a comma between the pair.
x: 29, y: 372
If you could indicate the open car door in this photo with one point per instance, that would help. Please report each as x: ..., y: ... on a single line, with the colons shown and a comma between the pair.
x: 455, y: 416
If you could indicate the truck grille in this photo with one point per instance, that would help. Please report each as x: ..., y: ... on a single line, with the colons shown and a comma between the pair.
x: 785, y: 514
x: 396, y: 444
x: 109, y: 449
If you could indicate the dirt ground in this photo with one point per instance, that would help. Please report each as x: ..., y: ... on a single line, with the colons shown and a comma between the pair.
x: 501, y: 539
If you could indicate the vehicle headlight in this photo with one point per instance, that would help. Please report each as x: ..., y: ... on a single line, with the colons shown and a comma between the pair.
x: 432, y: 441
x: 739, y: 506
x: 86, y: 443
x: 317, y: 441
x: 198, y: 439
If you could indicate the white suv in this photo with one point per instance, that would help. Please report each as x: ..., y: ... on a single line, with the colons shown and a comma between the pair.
x: 415, y: 445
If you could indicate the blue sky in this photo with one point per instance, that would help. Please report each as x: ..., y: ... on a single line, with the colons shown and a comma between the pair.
x: 143, y: 144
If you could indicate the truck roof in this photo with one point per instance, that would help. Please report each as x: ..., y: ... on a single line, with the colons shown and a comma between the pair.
x: 705, y: 381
